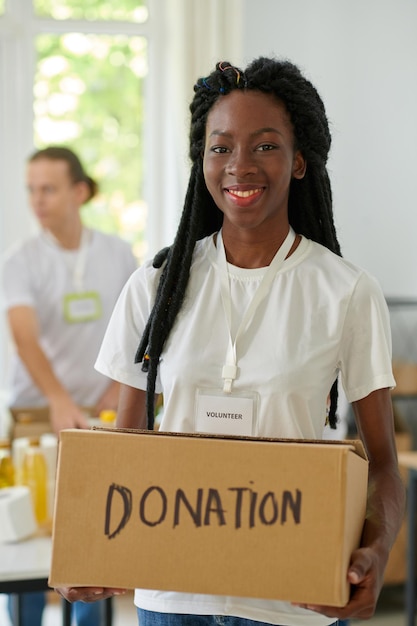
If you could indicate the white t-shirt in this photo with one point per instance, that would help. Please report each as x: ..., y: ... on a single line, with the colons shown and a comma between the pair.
x: 38, y: 273
x: 322, y: 317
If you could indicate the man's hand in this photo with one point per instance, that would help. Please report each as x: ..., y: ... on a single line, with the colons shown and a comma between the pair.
x: 64, y: 413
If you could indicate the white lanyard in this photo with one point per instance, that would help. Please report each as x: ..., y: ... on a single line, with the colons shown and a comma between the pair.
x: 78, y: 268
x: 229, y: 371
x: 80, y: 261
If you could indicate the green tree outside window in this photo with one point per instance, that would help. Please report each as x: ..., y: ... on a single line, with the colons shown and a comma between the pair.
x: 88, y: 95
x: 128, y: 10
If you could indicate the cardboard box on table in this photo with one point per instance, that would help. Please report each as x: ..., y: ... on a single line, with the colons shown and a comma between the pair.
x: 30, y: 422
x: 235, y: 516
x: 33, y: 421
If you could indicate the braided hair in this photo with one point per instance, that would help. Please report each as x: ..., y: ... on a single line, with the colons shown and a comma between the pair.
x: 309, y: 205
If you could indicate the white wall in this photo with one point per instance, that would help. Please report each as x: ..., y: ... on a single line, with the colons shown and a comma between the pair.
x: 362, y: 57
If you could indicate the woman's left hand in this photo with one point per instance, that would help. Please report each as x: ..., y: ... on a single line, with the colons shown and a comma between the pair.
x: 385, y: 508
x: 364, y: 575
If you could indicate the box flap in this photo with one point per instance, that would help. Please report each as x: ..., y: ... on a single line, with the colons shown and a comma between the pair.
x: 354, y: 444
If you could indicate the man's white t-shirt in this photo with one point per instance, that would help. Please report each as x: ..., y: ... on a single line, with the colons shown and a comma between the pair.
x: 323, y: 317
x: 39, y: 273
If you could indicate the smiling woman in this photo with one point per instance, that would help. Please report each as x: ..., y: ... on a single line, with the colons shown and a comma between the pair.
x: 252, y: 312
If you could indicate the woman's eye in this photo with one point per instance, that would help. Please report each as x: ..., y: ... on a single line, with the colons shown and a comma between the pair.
x: 266, y: 146
x: 219, y: 149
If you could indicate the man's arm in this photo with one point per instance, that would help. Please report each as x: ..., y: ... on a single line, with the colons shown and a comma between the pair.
x: 64, y: 413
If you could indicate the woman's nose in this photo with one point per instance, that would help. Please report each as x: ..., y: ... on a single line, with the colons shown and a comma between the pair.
x: 241, y: 163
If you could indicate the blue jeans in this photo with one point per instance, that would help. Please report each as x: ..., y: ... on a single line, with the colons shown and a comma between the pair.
x: 33, y: 605
x: 151, y: 618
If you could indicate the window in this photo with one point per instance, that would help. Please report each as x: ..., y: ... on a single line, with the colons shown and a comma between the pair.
x: 86, y: 74
x: 83, y: 68
x: 89, y: 95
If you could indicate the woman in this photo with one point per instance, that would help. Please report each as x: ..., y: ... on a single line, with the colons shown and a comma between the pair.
x: 253, y: 298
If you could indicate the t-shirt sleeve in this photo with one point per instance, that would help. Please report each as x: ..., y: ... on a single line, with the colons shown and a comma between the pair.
x: 366, y: 357
x: 17, y: 283
x: 116, y: 358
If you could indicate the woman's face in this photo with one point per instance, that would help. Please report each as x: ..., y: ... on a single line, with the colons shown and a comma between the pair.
x: 249, y: 159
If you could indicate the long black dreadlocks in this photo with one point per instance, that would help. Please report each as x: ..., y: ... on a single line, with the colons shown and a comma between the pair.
x: 310, y: 199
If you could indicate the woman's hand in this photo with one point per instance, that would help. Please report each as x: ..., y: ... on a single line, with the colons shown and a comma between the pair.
x: 364, y: 575
x: 88, y: 594
x: 385, y: 510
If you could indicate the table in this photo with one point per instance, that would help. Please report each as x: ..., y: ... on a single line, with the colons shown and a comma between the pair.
x: 409, y: 460
x: 24, y: 566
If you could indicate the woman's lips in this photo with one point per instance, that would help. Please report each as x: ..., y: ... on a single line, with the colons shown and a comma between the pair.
x: 244, y: 197
x: 244, y: 193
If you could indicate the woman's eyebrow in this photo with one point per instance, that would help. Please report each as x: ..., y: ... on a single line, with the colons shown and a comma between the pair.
x: 259, y: 131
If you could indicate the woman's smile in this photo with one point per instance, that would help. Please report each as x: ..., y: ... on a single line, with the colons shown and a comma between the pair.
x: 242, y: 196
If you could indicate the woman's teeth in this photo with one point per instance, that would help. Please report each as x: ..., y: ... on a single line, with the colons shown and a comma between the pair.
x: 244, y: 194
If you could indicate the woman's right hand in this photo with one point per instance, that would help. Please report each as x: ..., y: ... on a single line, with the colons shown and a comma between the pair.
x: 88, y: 594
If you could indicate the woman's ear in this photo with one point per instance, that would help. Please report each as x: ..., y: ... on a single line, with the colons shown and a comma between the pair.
x: 299, y: 165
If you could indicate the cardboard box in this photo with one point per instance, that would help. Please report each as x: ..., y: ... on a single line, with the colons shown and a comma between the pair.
x: 34, y: 421
x: 30, y: 422
x: 405, y: 374
x: 243, y: 517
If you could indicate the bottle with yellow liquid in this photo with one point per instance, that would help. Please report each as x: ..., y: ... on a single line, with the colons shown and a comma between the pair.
x: 7, y: 474
x: 35, y: 476
x: 107, y: 418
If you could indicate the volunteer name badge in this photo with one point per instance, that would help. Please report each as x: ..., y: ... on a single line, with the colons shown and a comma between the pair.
x: 219, y: 413
x: 82, y: 307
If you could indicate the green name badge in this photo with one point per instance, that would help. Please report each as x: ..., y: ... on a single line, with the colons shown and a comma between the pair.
x: 82, y: 307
